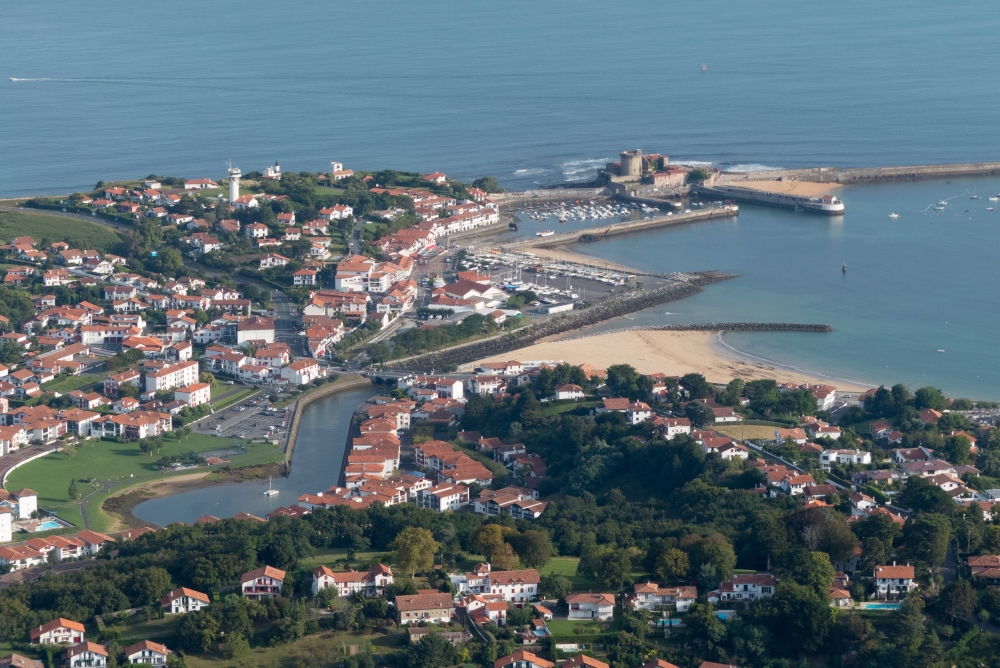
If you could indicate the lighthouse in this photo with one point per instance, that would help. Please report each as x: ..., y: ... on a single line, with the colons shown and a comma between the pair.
x: 234, y: 183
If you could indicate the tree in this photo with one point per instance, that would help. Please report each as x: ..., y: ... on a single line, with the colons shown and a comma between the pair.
x: 489, y: 539
x: 799, y: 618
x: 73, y: 492
x: 699, y: 414
x: 623, y: 380
x: 715, y: 550
x: 415, y: 549
x: 615, y: 569
x: 151, y: 445
x: 929, y: 397
x: 433, y: 651
x: 959, y: 600
x: 921, y: 496
x: 877, y: 534
x: 811, y: 569
x: 931, y: 651
x: 697, y: 386
x: 926, y: 539
x: 69, y: 450
x: 671, y: 565
x: 504, y: 558
x: 555, y: 586
x: 487, y: 184
x: 208, y: 377
x: 533, y: 547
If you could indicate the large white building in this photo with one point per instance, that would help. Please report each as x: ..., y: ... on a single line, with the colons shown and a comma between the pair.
x: 175, y: 375
x: 368, y: 583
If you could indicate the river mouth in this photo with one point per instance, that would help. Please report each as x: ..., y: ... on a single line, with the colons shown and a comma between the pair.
x: 316, y: 466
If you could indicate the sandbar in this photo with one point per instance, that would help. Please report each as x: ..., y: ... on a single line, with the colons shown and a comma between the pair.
x: 672, y: 353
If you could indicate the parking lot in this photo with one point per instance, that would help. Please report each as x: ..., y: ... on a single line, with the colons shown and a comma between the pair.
x: 250, y: 419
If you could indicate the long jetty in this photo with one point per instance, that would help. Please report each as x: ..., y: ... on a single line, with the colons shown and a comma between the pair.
x: 625, y: 227
x: 860, y: 175
x: 690, y: 284
x: 713, y: 327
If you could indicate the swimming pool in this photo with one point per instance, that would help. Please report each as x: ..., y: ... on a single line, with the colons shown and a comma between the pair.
x: 882, y: 606
x: 49, y: 525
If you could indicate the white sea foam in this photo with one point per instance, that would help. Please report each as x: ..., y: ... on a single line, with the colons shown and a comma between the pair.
x: 692, y: 163
x: 574, y: 167
x: 751, y: 167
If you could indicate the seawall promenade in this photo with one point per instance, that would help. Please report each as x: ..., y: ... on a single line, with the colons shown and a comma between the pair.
x: 713, y: 327
x: 612, y: 308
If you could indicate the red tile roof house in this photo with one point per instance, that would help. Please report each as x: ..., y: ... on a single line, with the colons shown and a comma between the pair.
x: 650, y: 595
x: 58, y: 631
x: 369, y: 583
x: 896, y: 581
x: 147, y: 651
x: 591, y: 606
x: 184, y: 600
x: 522, y: 659
x: 86, y: 655
x: 262, y: 583
x: 746, y: 588
x: 430, y: 608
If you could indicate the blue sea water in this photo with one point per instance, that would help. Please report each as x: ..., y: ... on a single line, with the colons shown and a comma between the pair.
x: 914, y: 286
x: 531, y: 92
x: 545, y: 92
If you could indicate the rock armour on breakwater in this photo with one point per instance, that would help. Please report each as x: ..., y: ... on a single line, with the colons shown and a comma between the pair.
x: 713, y: 327
x: 690, y: 284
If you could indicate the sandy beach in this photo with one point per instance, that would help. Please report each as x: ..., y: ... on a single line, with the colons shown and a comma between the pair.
x: 563, y: 254
x: 672, y: 353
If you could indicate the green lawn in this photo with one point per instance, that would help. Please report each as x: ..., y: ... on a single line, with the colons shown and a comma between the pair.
x: 104, y: 461
x: 567, y: 627
x: 567, y: 566
x: 321, y: 649
x: 46, y: 227
x: 66, y: 384
x: 566, y: 406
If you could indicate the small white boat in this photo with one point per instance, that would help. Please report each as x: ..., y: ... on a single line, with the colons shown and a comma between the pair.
x: 974, y: 197
x: 942, y: 203
x: 995, y: 199
x: 545, y: 233
x: 270, y: 491
x: 940, y: 350
x: 939, y: 207
x: 894, y: 215
x: 704, y: 67
x: 989, y: 208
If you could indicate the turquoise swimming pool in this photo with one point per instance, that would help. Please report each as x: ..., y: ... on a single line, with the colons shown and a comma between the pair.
x: 49, y: 525
x: 882, y: 606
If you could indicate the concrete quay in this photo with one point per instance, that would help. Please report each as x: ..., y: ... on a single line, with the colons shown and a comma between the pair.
x: 625, y: 227
x: 861, y: 175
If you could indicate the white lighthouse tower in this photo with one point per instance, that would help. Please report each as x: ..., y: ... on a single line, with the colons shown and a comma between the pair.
x: 234, y: 183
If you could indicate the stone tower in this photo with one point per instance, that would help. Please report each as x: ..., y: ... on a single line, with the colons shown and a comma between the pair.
x: 631, y: 163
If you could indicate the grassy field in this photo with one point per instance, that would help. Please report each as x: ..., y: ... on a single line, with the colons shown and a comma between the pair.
x: 558, y: 407
x: 104, y: 461
x: 749, y: 431
x: 46, y: 227
x: 66, y: 384
x: 313, y: 650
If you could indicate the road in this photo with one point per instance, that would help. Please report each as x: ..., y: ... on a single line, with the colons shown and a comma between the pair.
x: 286, y: 324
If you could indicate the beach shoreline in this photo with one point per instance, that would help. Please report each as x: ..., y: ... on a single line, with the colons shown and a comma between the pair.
x: 672, y: 353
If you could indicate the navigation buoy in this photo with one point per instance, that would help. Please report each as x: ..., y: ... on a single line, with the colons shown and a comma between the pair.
x: 704, y: 67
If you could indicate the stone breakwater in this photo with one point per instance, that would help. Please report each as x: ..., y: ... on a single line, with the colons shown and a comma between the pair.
x: 686, y: 286
x: 714, y: 327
